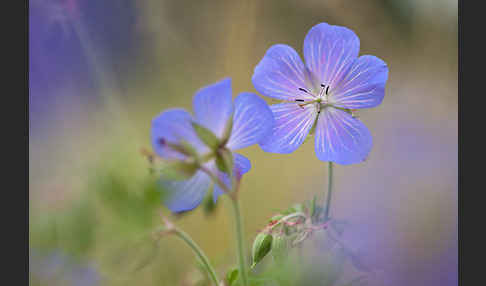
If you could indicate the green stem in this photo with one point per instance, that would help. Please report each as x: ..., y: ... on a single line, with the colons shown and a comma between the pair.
x: 198, y: 251
x: 329, y: 192
x: 240, y: 242
x: 238, y: 221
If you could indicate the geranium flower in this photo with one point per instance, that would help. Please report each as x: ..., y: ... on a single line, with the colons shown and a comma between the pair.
x: 218, y: 127
x: 322, y: 94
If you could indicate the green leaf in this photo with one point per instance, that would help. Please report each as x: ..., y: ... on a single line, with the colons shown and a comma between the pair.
x: 206, y: 136
x: 261, y: 246
x: 231, y: 276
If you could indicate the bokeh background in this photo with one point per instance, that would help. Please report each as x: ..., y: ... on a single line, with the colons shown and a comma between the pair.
x: 99, y: 71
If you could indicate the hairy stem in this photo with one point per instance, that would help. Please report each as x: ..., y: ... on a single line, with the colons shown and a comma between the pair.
x: 329, y: 192
x: 198, y: 251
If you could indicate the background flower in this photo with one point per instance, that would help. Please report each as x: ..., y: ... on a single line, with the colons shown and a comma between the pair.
x: 251, y: 120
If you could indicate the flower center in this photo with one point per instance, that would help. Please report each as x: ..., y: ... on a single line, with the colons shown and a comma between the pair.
x: 321, y: 99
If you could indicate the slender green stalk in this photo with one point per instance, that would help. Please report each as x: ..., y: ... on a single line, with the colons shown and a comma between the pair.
x: 238, y: 221
x: 240, y: 242
x: 329, y: 192
x: 198, y: 251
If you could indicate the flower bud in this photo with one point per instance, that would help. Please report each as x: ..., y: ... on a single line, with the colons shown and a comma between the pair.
x: 261, y: 246
x: 280, y: 248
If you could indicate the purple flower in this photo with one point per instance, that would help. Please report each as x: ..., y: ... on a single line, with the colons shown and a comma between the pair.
x: 235, y: 125
x: 321, y: 94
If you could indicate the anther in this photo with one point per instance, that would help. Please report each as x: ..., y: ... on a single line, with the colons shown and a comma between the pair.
x: 327, y: 90
x: 303, y: 89
x: 299, y: 100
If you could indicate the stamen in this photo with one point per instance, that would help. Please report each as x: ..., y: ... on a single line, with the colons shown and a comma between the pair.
x: 322, y: 89
x: 303, y: 89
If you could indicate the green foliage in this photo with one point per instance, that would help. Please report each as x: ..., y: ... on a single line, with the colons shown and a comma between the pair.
x: 231, y: 276
x: 132, y: 206
x: 72, y: 230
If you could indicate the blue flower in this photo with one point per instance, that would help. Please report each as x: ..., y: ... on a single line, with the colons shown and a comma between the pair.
x: 235, y: 125
x: 321, y: 95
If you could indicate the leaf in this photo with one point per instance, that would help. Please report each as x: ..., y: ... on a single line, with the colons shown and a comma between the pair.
x: 206, y: 136
x: 231, y: 276
x: 261, y: 246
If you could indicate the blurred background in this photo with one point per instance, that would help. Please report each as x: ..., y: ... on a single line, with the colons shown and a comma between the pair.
x: 99, y: 71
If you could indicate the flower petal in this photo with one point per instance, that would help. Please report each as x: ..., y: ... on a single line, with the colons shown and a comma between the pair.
x: 213, y: 106
x: 281, y: 73
x: 242, y: 166
x: 364, y: 84
x: 186, y: 195
x: 172, y: 126
x: 329, y: 51
x: 252, y: 121
x: 341, y: 138
x: 292, y: 124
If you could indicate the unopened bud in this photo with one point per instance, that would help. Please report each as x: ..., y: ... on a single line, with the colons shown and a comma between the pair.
x: 280, y: 248
x: 261, y: 246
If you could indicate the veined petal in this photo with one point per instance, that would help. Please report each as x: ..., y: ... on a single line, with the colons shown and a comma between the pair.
x: 252, y: 121
x: 172, y: 126
x: 281, y: 73
x: 341, y: 138
x: 213, y: 106
x: 242, y: 166
x: 186, y: 195
x: 329, y: 51
x: 364, y: 84
x: 292, y: 124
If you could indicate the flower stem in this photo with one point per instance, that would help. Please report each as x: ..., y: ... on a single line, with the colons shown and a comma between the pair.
x: 198, y: 251
x: 240, y: 242
x: 238, y: 220
x: 329, y: 192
